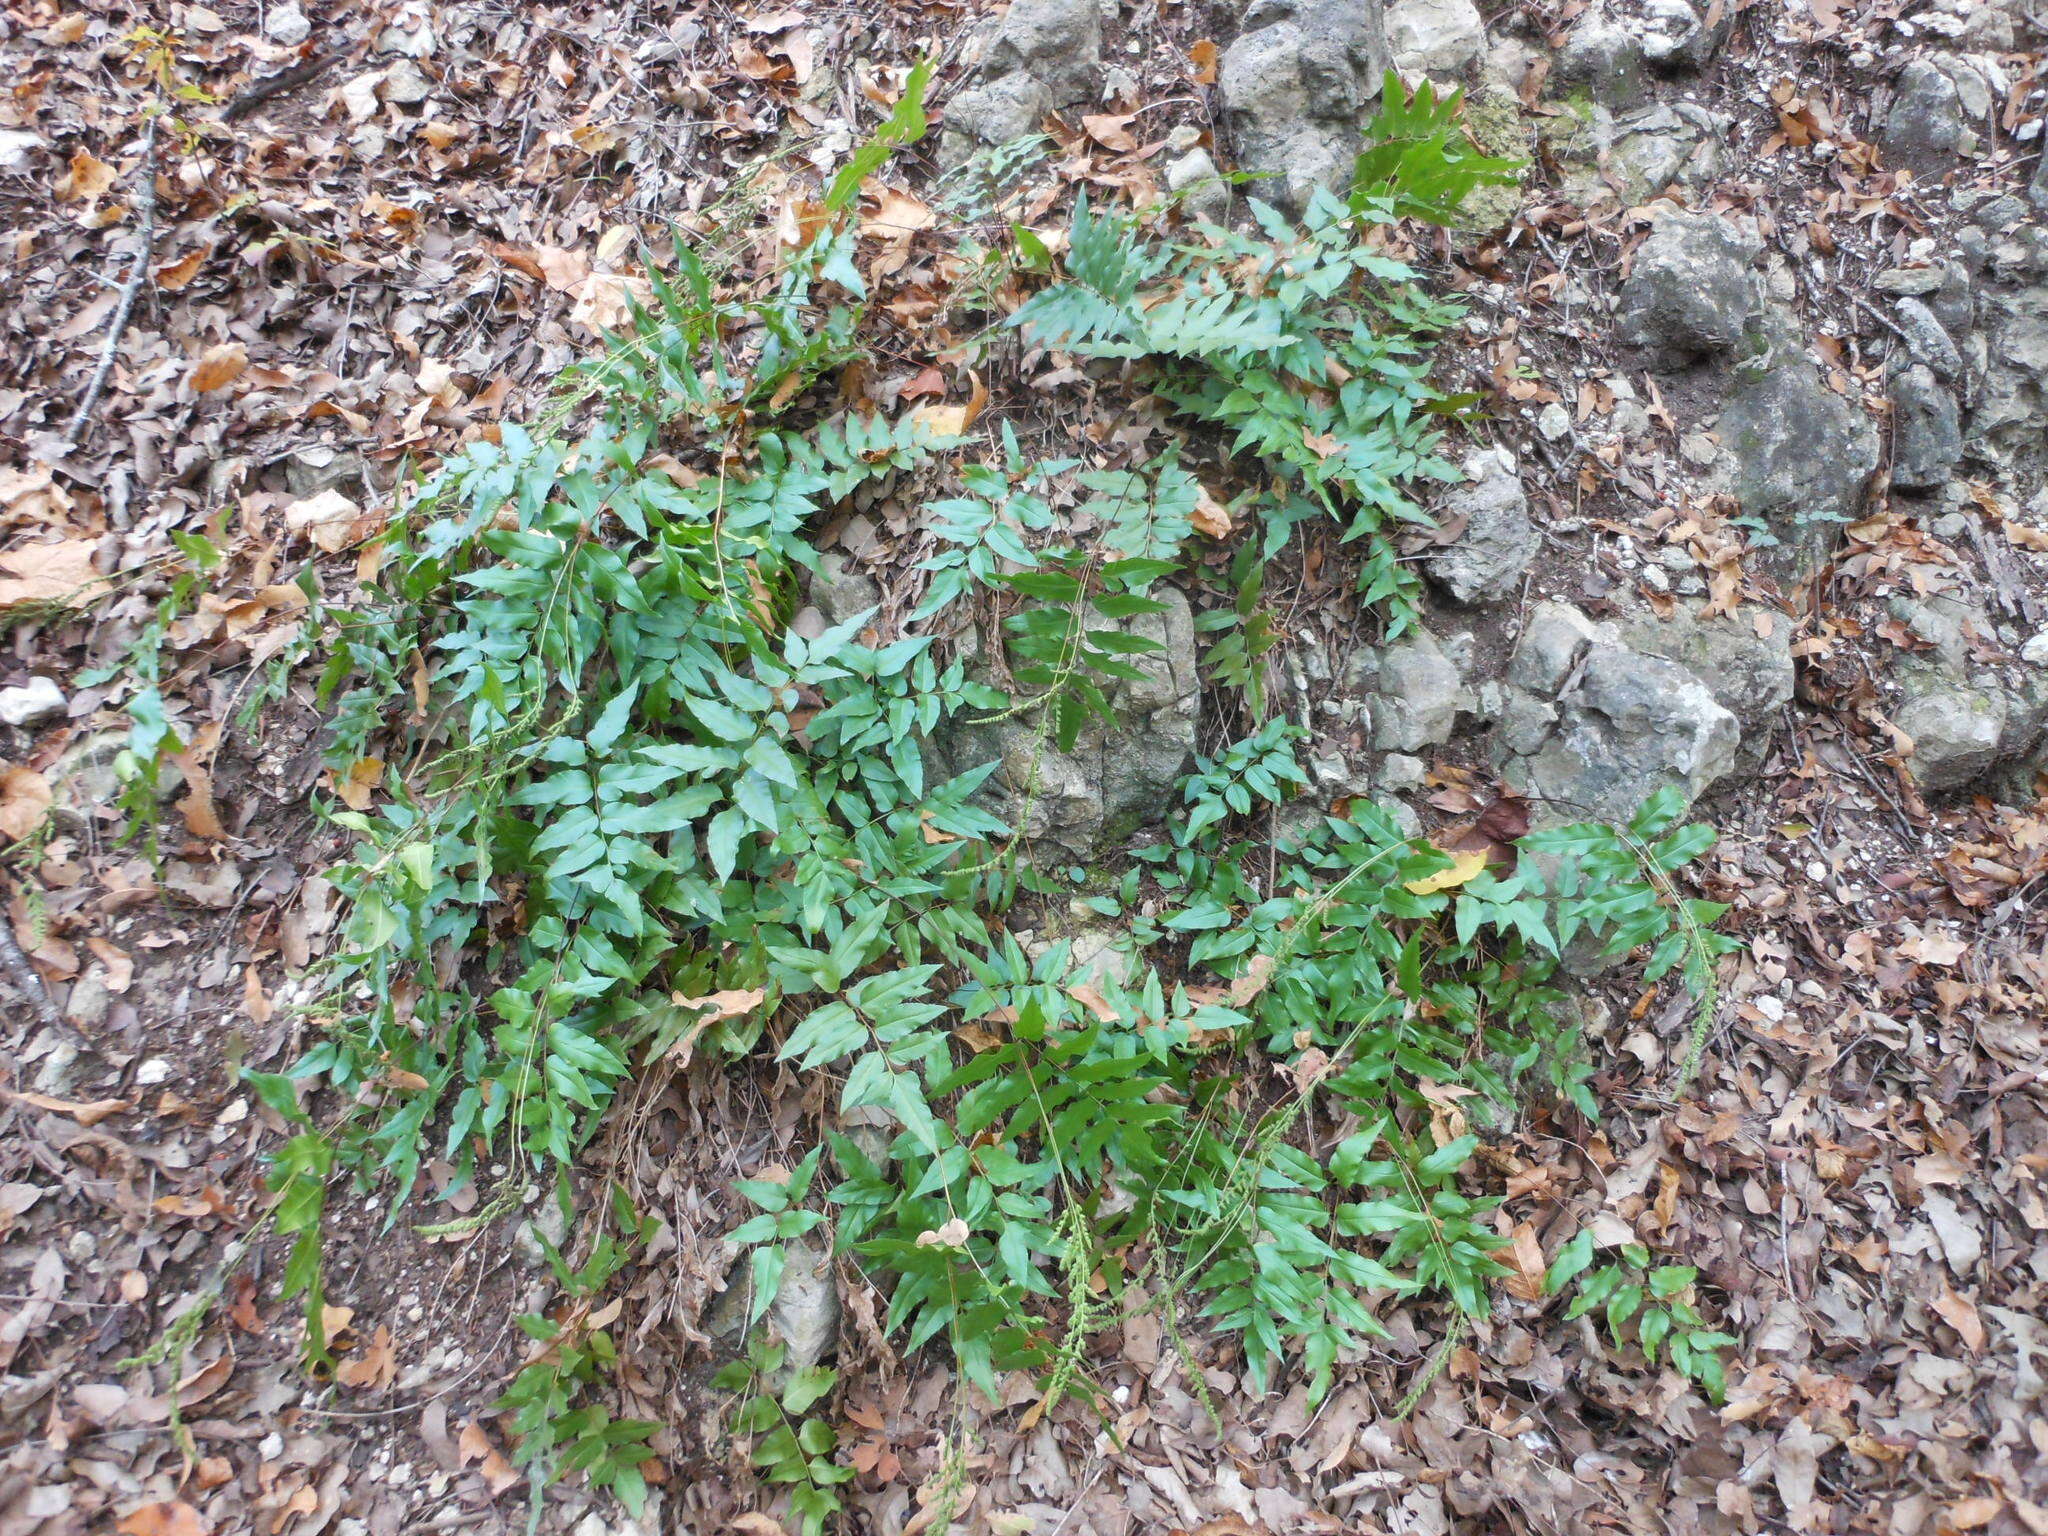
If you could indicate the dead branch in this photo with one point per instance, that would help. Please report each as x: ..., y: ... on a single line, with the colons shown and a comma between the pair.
x: 145, y: 207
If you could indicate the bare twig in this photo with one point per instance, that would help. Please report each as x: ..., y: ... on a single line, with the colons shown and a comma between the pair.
x: 25, y: 978
x: 145, y: 208
x: 276, y: 85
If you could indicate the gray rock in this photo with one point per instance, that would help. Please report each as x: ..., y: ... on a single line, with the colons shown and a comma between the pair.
x: 999, y: 110
x: 839, y: 590
x: 90, y: 1000
x: 1628, y: 726
x: 1603, y: 57
x: 1488, y: 560
x: 2037, y: 184
x: 805, y: 1312
x: 1676, y: 37
x: 1296, y: 87
x: 1551, y: 644
x: 406, y: 85
x: 1688, y: 295
x: 1957, y: 732
x: 1118, y: 776
x: 1925, y: 131
x: 286, y: 24
x: 1593, y: 725
x: 1750, y: 677
x: 1434, y: 37
x: 35, y: 701
x: 321, y: 467
x: 1485, y: 563
x: 1927, y: 437
x: 1927, y: 339
x: 1420, y: 694
x: 86, y: 780
x: 549, y: 1222
x: 1207, y: 194
x: 1800, y: 459
x: 1400, y: 773
x: 1056, y: 42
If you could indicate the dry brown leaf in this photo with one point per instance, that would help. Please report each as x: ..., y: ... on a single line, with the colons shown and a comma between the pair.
x: 1210, y: 516
x: 1111, y: 132
x: 58, y: 573
x: 86, y: 182
x: 255, y: 1002
x: 377, y: 1366
x: 1203, y: 56
x: 473, y: 1445
x: 329, y: 519
x: 218, y: 367
x: 1960, y: 1313
x: 173, y: 1517
x: 1089, y: 996
x: 356, y: 787
x: 732, y: 1003
x: 25, y: 800
x: 119, y: 965
x: 754, y: 1523
x: 84, y: 1114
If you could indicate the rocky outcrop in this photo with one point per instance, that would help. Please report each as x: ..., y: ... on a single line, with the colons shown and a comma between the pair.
x: 1435, y: 38
x: 1591, y: 727
x: 1494, y: 540
x: 1963, y: 717
x: 1416, y: 693
x: 1799, y: 458
x: 1688, y: 294
x: 1927, y: 437
x: 1297, y: 85
x: 1040, y: 56
x: 1120, y: 774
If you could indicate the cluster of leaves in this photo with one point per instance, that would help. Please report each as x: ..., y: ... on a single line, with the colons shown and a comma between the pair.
x: 628, y: 810
x: 1307, y: 345
x: 560, y: 1423
x: 1656, y: 1301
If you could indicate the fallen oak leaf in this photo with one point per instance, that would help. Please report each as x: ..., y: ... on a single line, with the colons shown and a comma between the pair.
x: 25, y: 799
x: 59, y: 574
x: 218, y: 367
x: 85, y: 1114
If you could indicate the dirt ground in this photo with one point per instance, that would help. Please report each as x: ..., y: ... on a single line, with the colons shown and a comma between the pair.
x: 348, y: 275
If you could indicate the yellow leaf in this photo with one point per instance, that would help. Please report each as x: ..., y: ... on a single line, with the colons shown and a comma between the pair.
x: 1463, y: 867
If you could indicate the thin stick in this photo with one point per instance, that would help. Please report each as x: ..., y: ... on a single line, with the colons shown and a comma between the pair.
x: 24, y: 976
x: 145, y: 203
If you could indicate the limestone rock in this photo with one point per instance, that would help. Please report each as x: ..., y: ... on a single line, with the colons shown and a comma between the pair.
x: 1484, y: 564
x: 1749, y: 676
x: 1195, y: 173
x: 1957, y: 732
x: 1688, y: 294
x: 1040, y: 56
x: 1296, y: 86
x: 1927, y: 339
x: 1925, y: 130
x: 1434, y: 37
x: 1603, y: 57
x: 1056, y: 42
x: 1617, y: 724
x: 1676, y: 37
x: 1118, y: 776
x: 35, y: 701
x: 1927, y: 437
x: 839, y: 590
x: 999, y: 110
x: 1418, y: 694
x: 1800, y: 458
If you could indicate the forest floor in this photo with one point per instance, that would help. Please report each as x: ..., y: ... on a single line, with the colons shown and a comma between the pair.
x: 350, y: 275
